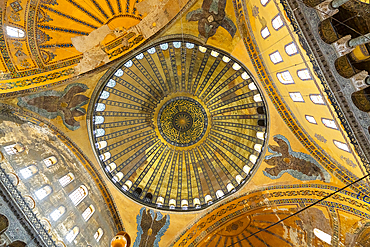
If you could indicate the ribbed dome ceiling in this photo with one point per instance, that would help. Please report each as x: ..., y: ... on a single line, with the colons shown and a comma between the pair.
x: 179, y: 125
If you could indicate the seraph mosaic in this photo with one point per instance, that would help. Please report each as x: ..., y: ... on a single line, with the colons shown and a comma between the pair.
x: 299, y: 165
x: 210, y: 17
x: 66, y: 104
x: 151, y: 226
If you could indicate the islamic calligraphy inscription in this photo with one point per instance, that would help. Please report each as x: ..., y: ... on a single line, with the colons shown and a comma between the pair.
x: 182, y: 121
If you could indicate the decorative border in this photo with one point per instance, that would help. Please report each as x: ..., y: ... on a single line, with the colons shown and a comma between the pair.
x: 83, y: 159
x: 314, y: 53
x: 37, y: 229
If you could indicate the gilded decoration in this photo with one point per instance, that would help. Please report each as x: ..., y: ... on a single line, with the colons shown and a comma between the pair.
x: 175, y: 117
x: 299, y: 165
x: 67, y: 104
x: 210, y: 17
x: 182, y: 121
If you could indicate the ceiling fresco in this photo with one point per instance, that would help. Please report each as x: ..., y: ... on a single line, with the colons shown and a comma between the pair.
x: 179, y: 125
x: 201, y: 122
x: 50, y: 41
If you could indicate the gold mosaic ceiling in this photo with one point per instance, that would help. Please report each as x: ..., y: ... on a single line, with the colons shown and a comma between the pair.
x: 179, y: 125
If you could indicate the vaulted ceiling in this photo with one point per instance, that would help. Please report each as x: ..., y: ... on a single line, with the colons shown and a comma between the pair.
x: 200, y: 122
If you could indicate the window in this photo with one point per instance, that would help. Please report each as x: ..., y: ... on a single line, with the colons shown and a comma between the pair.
x: 296, y: 97
x: 105, y: 156
x: 104, y: 95
x: 304, y: 74
x: 219, y: 194
x: 341, y: 145
x: 265, y: 32
x: 99, y: 119
x: 98, y: 234
x: 89, y: 211
x: 14, y: 149
x: 78, y: 195
x: 101, y: 144
x: 57, y: 213
x: 28, y: 171
x: 329, y: 123
x: 43, y: 192
x: 322, y: 235
x: 291, y: 49
x: 65, y: 180
x: 317, y: 99
x: 100, y: 107
x: 50, y: 161
x: 277, y: 22
x: 111, y: 167
x: 311, y: 119
x: 14, y: 32
x: 275, y: 57
x: 264, y: 2
x: 285, y: 77
x: 99, y: 132
x: 72, y: 234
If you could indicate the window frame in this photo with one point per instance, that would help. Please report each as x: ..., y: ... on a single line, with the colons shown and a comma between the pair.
x: 90, y: 214
x: 278, y: 15
x: 277, y: 51
x: 79, y: 200
x: 334, y: 141
x: 327, y: 126
x: 281, y: 73
x: 309, y: 73
x: 15, y: 27
x: 290, y: 93
x: 267, y: 30
x: 316, y: 95
x: 295, y: 47
x: 312, y: 117
x: 265, y: 3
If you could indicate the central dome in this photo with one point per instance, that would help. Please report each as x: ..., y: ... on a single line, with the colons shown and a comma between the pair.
x: 182, y: 121
x: 178, y: 125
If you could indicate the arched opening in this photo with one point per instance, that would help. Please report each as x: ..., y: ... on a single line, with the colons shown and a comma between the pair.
x: 361, y: 99
x: 4, y: 223
x: 17, y: 244
x: 137, y: 192
x: 148, y: 197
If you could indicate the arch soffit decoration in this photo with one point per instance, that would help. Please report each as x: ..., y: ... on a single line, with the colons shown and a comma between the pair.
x: 97, y: 179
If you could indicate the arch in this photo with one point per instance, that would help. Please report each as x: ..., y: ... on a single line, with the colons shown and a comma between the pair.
x: 148, y: 197
x: 277, y: 22
x: 57, y: 213
x: 361, y: 99
x: 99, y: 233
x: 265, y: 33
x: 17, y: 243
x: 15, y: 32
x: 50, y: 161
x: 72, y: 234
x: 29, y: 171
x: 89, y: 211
x: 4, y: 223
x: 79, y: 194
x: 43, y: 192
x: 291, y: 49
x: 66, y: 179
x: 14, y: 149
x: 285, y: 77
x: 137, y: 192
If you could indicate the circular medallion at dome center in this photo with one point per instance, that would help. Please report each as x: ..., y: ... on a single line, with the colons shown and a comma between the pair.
x: 182, y: 121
